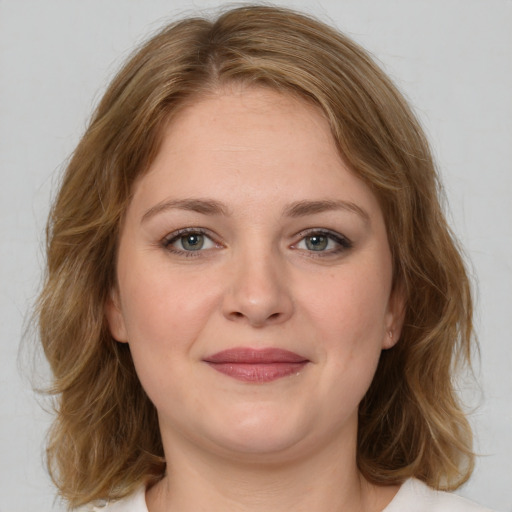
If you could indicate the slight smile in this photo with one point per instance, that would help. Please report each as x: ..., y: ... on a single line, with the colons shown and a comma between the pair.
x: 257, y: 365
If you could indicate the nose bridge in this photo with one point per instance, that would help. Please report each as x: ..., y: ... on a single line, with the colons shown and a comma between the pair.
x: 258, y: 292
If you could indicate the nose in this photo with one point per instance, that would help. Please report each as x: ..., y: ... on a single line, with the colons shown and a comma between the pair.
x: 259, y: 292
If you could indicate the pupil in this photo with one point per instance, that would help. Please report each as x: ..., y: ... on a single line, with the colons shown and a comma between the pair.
x: 192, y: 242
x: 316, y: 243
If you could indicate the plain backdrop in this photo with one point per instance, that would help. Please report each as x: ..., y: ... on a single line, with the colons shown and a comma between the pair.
x: 451, y: 58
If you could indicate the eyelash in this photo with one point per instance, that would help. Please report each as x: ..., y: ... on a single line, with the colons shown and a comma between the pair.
x: 176, y: 235
x: 343, y: 243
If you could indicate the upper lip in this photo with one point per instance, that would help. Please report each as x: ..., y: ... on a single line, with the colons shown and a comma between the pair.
x: 246, y: 355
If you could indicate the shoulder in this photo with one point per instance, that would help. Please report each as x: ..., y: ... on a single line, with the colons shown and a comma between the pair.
x: 415, y: 496
x: 135, y: 502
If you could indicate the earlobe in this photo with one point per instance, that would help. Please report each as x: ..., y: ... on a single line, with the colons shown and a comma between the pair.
x: 389, y: 340
x: 115, y: 318
x: 395, y: 318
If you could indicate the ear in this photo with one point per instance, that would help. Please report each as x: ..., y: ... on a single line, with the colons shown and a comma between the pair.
x: 115, y: 317
x: 394, y: 317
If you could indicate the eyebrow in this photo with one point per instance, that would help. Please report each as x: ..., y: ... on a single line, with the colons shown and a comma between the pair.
x: 294, y: 210
x: 303, y: 208
x: 204, y: 206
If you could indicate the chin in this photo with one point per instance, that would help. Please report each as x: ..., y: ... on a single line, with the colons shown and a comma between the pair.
x: 261, y: 431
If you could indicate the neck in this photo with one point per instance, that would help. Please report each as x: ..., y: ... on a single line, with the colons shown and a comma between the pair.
x: 324, y: 481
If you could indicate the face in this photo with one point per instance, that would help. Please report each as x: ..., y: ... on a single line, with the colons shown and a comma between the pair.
x: 254, y: 279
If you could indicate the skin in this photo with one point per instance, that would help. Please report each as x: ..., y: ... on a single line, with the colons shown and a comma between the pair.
x: 289, y: 443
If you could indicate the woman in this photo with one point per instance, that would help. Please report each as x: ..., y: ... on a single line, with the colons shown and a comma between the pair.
x: 253, y: 300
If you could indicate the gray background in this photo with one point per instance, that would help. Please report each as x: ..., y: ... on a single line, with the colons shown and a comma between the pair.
x: 452, y: 59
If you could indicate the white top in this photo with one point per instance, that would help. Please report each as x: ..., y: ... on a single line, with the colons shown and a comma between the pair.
x: 413, y: 496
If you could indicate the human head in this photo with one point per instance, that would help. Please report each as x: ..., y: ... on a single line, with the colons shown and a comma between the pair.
x: 410, y: 421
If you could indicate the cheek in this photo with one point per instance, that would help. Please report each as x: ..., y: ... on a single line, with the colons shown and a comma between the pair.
x: 165, y: 309
x: 352, y: 306
x: 349, y: 318
x: 165, y: 315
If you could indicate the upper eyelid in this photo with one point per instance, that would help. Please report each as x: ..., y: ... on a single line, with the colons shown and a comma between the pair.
x: 341, y: 240
x: 183, y: 231
x: 324, y: 231
x: 168, y: 239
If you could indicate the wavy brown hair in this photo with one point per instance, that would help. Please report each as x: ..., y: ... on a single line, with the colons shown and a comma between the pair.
x: 105, y: 440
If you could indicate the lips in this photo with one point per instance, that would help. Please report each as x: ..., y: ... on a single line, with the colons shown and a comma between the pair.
x: 256, y: 365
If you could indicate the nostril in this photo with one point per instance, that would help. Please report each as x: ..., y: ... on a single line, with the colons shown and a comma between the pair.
x: 273, y: 316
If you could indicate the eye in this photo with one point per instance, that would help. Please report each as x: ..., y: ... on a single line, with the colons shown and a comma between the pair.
x: 317, y: 242
x: 323, y: 241
x: 188, y: 241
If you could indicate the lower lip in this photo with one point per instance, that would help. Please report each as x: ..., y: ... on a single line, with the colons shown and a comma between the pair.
x: 258, y: 372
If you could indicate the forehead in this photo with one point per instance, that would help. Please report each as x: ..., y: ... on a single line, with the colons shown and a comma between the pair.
x: 247, y: 145
x: 244, y: 119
